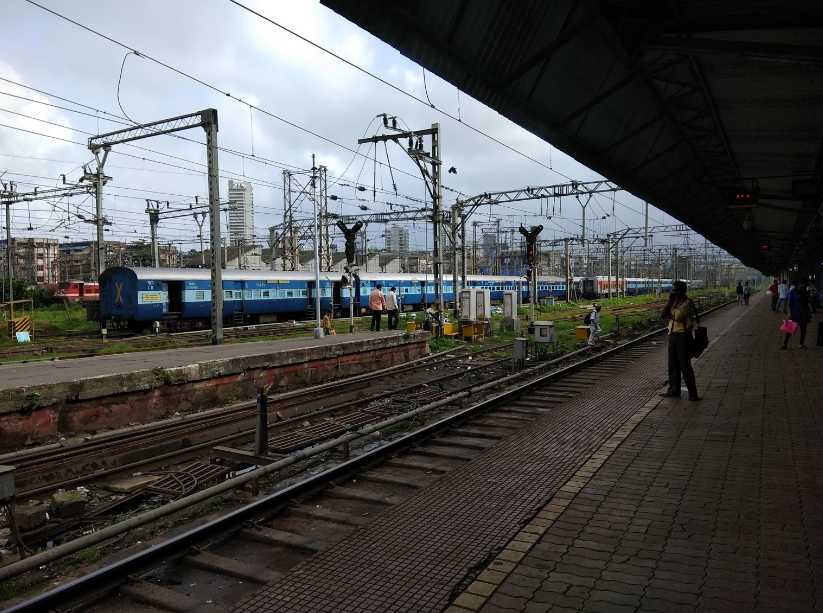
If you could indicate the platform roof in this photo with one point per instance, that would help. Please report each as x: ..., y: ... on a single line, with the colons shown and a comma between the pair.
x: 681, y: 103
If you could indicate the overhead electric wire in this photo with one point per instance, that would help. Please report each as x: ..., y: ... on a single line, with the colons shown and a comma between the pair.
x: 120, y: 120
x: 394, y: 87
x: 211, y: 86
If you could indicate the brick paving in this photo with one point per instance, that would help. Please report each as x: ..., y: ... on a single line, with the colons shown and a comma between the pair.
x: 417, y: 555
x: 716, y: 506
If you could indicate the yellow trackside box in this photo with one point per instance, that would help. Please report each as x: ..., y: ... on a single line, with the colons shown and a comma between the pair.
x: 411, y: 326
x: 581, y: 333
x: 19, y: 324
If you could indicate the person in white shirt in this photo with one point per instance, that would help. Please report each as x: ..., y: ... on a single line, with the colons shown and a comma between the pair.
x: 594, y: 324
x: 392, y: 306
x: 782, y: 296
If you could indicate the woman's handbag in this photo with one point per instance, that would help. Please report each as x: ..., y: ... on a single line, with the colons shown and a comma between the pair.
x: 700, y: 341
x: 789, y: 327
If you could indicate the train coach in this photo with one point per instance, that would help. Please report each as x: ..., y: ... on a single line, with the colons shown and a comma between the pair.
x: 181, y: 298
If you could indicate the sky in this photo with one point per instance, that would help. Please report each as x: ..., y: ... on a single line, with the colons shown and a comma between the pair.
x: 299, y: 89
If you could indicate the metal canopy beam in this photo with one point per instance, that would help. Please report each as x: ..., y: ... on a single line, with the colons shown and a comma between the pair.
x: 200, y: 119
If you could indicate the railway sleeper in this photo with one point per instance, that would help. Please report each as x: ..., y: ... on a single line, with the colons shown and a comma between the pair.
x: 231, y: 567
x: 159, y: 597
x: 273, y: 536
x: 416, y: 464
x: 375, y: 477
x: 445, y: 452
x: 353, y: 493
x: 320, y: 513
x: 481, y: 432
x: 466, y: 442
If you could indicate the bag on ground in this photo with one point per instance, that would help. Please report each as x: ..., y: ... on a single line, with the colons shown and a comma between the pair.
x: 788, y: 326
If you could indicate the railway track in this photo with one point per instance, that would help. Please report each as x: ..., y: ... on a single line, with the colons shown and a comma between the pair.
x: 220, y: 561
x: 88, y: 344
x: 49, y: 467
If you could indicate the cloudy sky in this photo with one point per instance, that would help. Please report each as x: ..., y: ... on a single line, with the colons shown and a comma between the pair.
x: 301, y: 89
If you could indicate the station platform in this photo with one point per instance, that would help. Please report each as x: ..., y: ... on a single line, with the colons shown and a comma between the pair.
x: 42, y: 399
x: 619, y: 500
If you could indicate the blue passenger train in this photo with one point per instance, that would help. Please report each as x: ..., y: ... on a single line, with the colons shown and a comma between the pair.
x: 180, y: 298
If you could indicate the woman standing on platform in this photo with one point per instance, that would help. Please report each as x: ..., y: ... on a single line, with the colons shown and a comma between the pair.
x: 681, y: 315
x: 798, y: 311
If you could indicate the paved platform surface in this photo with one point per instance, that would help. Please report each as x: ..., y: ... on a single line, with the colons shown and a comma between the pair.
x: 710, y: 506
x: 420, y: 555
x: 60, y: 371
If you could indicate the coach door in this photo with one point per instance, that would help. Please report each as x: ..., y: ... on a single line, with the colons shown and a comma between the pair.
x: 175, y: 289
x: 336, y: 296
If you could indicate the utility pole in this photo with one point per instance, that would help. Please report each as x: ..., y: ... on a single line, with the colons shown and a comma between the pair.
x: 365, y: 247
x: 609, y: 255
x: 98, y: 179
x: 674, y: 264
x: 464, y: 282
x: 154, y: 220
x: 455, y: 215
x: 318, y: 331
x: 583, y: 235
x: 568, y: 271
x: 474, y: 247
x: 214, y: 220
x: 429, y: 164
x: 496, y: 267
x: 10, y: 255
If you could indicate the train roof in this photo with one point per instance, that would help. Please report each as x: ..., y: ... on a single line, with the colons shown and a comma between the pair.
x: 229, y: 274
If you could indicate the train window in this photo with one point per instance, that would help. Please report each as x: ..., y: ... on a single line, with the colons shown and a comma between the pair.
x: 303, y: 292
x: 266, y: 293
x: 200, y: 295
x: 289, y: 293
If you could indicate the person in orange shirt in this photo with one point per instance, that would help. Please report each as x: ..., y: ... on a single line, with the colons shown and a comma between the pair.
x: 377, y: 304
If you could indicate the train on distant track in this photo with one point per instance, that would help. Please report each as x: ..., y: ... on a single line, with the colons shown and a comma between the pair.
x: 77, y: 291
x: 180, y: 298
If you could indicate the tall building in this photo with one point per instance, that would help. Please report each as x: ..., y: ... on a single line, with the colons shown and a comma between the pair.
x: 397, y: 239
x: 36, y: 260
x: 241, y: 213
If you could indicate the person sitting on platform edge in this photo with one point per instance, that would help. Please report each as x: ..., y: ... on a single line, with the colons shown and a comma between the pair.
x: 682, y: 315
x: 376, y: 303
x: 392, y: 307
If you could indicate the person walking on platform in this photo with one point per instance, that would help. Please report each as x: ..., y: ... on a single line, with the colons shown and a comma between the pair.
x: 782, y: 295
x: 377, y: 302
x: 799, y: 312
x: 594, y: 325
x: 747, y: 292
x: 392, y: 306
x: 773, y: 294
x: 739, y: 291
x: 811, y: 290
x: 682, y: 316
